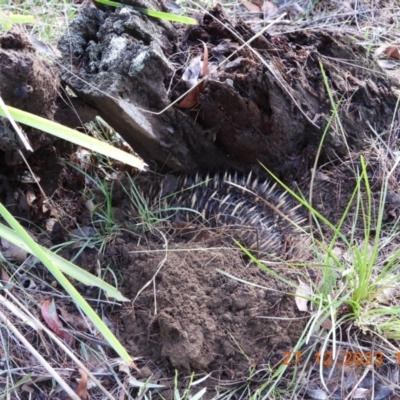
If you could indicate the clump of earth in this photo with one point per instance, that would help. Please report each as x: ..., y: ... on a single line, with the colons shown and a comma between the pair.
x: 192, y: 317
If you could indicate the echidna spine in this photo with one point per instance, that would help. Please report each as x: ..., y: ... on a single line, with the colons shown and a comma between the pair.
x: 265, y: 217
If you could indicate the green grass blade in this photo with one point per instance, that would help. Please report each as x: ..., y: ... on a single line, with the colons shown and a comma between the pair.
x: 167, y: 16
x: 63, y: 265
x: 153, y: 13
x: 10, y: 19
x: 73, y: 136
x: 79, y: 300
x: 11, y: 390
x: 22, y: 19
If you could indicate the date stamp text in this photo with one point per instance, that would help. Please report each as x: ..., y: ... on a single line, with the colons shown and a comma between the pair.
x: 348, y: 359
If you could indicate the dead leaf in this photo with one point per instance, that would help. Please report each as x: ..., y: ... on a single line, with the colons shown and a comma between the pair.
x: 50, y: 224
x: 388, y: 294
x: 317, y: 394
x: 191, y: 99
x: 392, y: 213
x: 326, y: 323
x: 84, y: 157
x: 347, y: 8
x: 4, y: 275
x: 74, y: 320
x: 337, y: 251
x: 191, y: 76
x: 383, y: 391
x: 124, y: 368
x: 122, y: 365
x: 388, y: 290
x: 393, y: 199
x: 192, y: 72
x: 269, y: 8
x: 27, y: 177
x: 49, y: 314
x: 393, y: 51
x: 12, y: 252
x: 30, y: 196
x: 44, y: 48
x: 320, y: 176
x: 388, y: 64
x: 360, y: 393
x: 303, y: 293
x: 82, y: 388
x: 251, y: 6
x: 28, y: 388
x: 90, y: 205
x: 82, y: 391
x: 205, y: 64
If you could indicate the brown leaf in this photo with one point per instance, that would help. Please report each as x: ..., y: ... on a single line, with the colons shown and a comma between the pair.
x: 337, y: 251
x: 251, y: 6
x: 82, y: 388
x: 317, y: 394
x: 82, y: 391
x: 205, y: 64
x: 393, y: 51
x: 361, y: 393
x: 192, y: 98
x: 327, y: 324
x: 49, y: 314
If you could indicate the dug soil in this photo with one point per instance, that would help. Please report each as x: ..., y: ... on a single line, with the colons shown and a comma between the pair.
x: 185, y: 313
x: 193, y: 317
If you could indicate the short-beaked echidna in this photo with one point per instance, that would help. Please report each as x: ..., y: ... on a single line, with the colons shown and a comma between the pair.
x: 256, y: 213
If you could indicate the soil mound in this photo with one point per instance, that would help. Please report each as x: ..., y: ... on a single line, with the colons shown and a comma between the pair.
x: 195, y: 318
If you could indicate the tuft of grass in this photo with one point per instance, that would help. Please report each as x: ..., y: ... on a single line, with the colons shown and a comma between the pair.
x: 152, y: 215
x: 152, y: 13
x: 51, y: 17
x: 359, y: 289
x: 43, y: 256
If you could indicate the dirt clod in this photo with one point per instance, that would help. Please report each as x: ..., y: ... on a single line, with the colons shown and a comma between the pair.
x: 195, y: 318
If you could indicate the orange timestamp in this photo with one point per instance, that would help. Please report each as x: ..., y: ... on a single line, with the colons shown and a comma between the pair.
x: 348, y: 358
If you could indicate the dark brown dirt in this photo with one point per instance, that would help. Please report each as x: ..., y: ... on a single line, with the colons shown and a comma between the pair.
x: 269, y: 105
x: 194, y: 318
x: 31, y: 84
x: 26, y: 83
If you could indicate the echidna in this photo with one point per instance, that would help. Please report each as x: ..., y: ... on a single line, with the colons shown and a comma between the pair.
x: 258, y: 215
